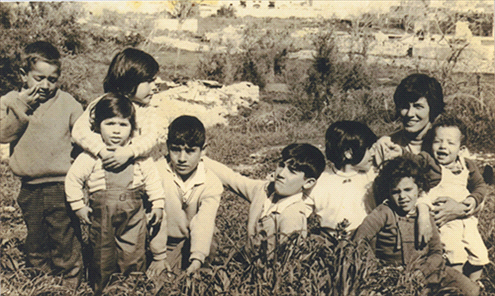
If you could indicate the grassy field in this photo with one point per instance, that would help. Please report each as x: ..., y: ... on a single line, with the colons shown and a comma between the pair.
x: 352, y: 90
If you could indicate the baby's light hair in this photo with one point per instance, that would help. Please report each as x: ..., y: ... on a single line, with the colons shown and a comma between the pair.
x: 450, y: 120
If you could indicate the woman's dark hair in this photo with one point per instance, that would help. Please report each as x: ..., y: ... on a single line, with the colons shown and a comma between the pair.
x: 127, y: 70
x: 416, y: 86
x: 393, y: 171
x: 345, y: 135
x: 112, y: 105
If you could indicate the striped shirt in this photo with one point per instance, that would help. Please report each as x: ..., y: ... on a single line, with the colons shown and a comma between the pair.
x: 88, y: 171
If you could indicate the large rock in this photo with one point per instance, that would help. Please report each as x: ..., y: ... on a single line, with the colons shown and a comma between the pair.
x: 210, y: 101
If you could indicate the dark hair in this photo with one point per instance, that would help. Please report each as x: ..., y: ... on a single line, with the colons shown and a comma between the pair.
x: 127, y: 70
x: 187, y: 130
x: 112, y: 105
x: 40, y: 51
x: 416, y: 86
x: 449, y: 120
x: 393, y: 171
x: 348, y: 135
x: 304, y: 158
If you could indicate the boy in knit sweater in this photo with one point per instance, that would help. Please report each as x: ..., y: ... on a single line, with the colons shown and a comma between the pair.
x: 393, y: 223
x: 277, y: 206
x: 184, y: 239
x: 37, y: 122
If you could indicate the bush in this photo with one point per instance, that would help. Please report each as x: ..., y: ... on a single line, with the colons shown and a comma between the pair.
x: 226, y: 11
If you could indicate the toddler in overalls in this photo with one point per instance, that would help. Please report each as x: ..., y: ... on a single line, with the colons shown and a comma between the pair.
x: 118, y: 221
x: 452, y: 175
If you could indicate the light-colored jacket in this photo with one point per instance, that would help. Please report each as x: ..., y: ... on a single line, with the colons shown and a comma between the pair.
x: 284, y: 217
x: 191, y: 210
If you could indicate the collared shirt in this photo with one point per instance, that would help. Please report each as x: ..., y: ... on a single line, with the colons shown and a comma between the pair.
x: 338, y: 195
x: 270, y: 207
x: 191, y: 209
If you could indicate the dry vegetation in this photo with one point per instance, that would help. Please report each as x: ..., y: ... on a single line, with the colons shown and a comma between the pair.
x: 321, y: 92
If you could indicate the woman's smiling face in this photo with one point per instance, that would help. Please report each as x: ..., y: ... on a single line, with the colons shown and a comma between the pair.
x: 416, y: 115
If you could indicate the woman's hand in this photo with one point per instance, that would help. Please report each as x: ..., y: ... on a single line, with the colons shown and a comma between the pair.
x: 446, y: 209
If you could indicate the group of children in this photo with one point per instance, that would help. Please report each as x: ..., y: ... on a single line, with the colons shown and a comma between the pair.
x: 125, y: 195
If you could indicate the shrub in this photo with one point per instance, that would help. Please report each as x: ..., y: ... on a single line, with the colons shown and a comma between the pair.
x: 226, y: 11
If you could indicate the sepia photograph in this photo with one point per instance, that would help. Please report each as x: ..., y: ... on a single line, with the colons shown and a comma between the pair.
x: 247, y: 147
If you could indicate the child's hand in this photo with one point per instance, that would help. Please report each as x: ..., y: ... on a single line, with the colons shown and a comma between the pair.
x: 195, y: 265
x: 157, y: 267
x: 30, y: 96
x: 425, y: 229
x: 83, y: 214
x: 156, y: 217
x: 117, y: 158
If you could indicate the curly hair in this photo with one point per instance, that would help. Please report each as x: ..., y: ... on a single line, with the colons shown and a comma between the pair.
x: 393, y: 171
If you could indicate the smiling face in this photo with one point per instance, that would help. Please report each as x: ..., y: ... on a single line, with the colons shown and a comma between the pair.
x: 184, y: 159
x: 416, y: 116
x: 144, y: 92
x: 115, y: 131
x: 43, y: 75
x: 405, y: 194
x: 289, y: 181
x: 446, y: 144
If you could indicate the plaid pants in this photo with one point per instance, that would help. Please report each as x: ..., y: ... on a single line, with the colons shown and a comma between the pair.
x: 53, y: 238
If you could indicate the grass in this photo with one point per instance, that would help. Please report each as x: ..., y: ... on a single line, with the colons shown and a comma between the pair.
x: 318, y: 265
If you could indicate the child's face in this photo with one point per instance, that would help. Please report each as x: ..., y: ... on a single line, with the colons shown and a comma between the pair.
x: 184, y: 159
x: 367, y: 161
x: 144, y: 92
x: 446, y: 144
x: 115, y: 131
x: 45, y: 77
x: 405, y: 194
x: 288, y: 181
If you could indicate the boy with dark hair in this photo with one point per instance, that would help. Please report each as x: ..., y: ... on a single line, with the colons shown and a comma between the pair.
x: 37, y: 121
x: 192, y: 198
x: 277, y: 206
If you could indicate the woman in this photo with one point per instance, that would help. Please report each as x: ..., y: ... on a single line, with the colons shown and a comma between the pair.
x: 418, y: 101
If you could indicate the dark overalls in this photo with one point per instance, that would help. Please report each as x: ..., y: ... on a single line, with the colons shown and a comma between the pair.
x: 118, y: 230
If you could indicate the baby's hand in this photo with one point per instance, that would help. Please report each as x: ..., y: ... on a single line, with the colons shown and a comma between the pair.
x: 83, y: 214
x: 425, y: 229
x: 156, y: 217
x: 30, y: 96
